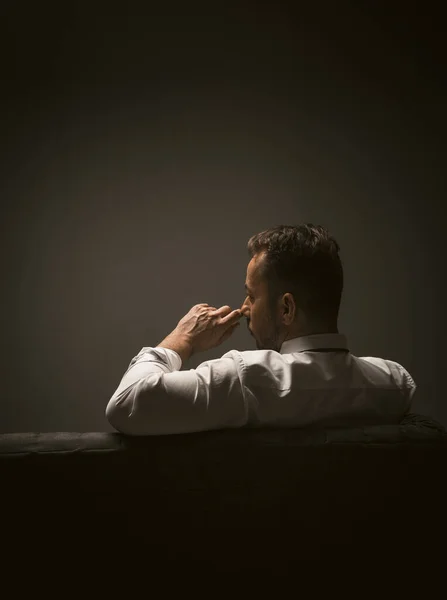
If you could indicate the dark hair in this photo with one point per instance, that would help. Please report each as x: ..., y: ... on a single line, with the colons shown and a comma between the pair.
x: 304, y: 261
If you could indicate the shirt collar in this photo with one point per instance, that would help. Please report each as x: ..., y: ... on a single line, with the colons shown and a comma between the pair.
x: 315, y: 342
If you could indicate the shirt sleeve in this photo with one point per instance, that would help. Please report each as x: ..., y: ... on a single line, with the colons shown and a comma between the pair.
x: 406, y: 382
x: 155, y: 398
x: 409, y: 386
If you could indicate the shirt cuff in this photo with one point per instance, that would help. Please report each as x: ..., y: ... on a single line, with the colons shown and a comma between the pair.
x: 172, y: 358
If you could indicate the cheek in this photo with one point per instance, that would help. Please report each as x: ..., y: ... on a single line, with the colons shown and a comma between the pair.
x: 255, y: 311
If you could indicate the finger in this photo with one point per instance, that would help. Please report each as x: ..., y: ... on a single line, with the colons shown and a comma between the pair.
x: 232, y: 317
x: 223, y: 309
x: 217, y: 312
x: 207, y: 307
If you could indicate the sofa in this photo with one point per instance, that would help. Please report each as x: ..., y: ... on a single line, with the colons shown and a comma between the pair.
x: 222, y: 506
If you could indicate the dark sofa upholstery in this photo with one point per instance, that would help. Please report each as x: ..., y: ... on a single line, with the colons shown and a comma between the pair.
x: 251, y: 503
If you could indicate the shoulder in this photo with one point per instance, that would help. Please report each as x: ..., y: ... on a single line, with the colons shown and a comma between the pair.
x: 397, y: 371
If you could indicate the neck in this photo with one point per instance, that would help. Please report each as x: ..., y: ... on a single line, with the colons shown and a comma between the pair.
x: 312, y: 330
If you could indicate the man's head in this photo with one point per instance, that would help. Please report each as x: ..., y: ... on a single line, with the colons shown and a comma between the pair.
x: 293, y: 285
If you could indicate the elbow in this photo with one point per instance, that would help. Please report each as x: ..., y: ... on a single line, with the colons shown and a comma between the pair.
x: 123, y: 415
x: 131, y: 412
x: 117, y: 415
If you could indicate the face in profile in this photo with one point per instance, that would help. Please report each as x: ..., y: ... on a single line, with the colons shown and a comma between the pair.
x: 262, y: 323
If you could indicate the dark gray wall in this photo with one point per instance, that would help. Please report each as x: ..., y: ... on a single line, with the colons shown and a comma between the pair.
x: 141, y: 151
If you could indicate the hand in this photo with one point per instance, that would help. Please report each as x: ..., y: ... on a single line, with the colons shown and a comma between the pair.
x: 205, y: 327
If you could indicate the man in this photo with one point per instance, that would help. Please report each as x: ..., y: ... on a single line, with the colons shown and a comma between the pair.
x: 302, y: 373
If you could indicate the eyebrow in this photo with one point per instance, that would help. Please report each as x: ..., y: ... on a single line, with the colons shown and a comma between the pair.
x: 247, y: 288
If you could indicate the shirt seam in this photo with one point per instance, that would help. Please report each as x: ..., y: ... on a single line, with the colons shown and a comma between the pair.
x: 241, y: 376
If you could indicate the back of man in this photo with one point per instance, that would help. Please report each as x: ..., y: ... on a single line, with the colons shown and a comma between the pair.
x: 305, y: 385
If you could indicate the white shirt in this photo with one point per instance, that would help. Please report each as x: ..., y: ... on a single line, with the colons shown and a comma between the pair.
x: 296, y: 387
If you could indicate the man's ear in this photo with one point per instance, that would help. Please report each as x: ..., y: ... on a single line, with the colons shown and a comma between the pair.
x: 289, y: 309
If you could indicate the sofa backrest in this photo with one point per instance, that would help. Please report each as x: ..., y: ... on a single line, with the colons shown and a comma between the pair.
x: 273, y: 496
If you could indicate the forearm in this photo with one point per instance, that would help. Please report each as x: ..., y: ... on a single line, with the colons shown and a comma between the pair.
x: 179, y: 344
